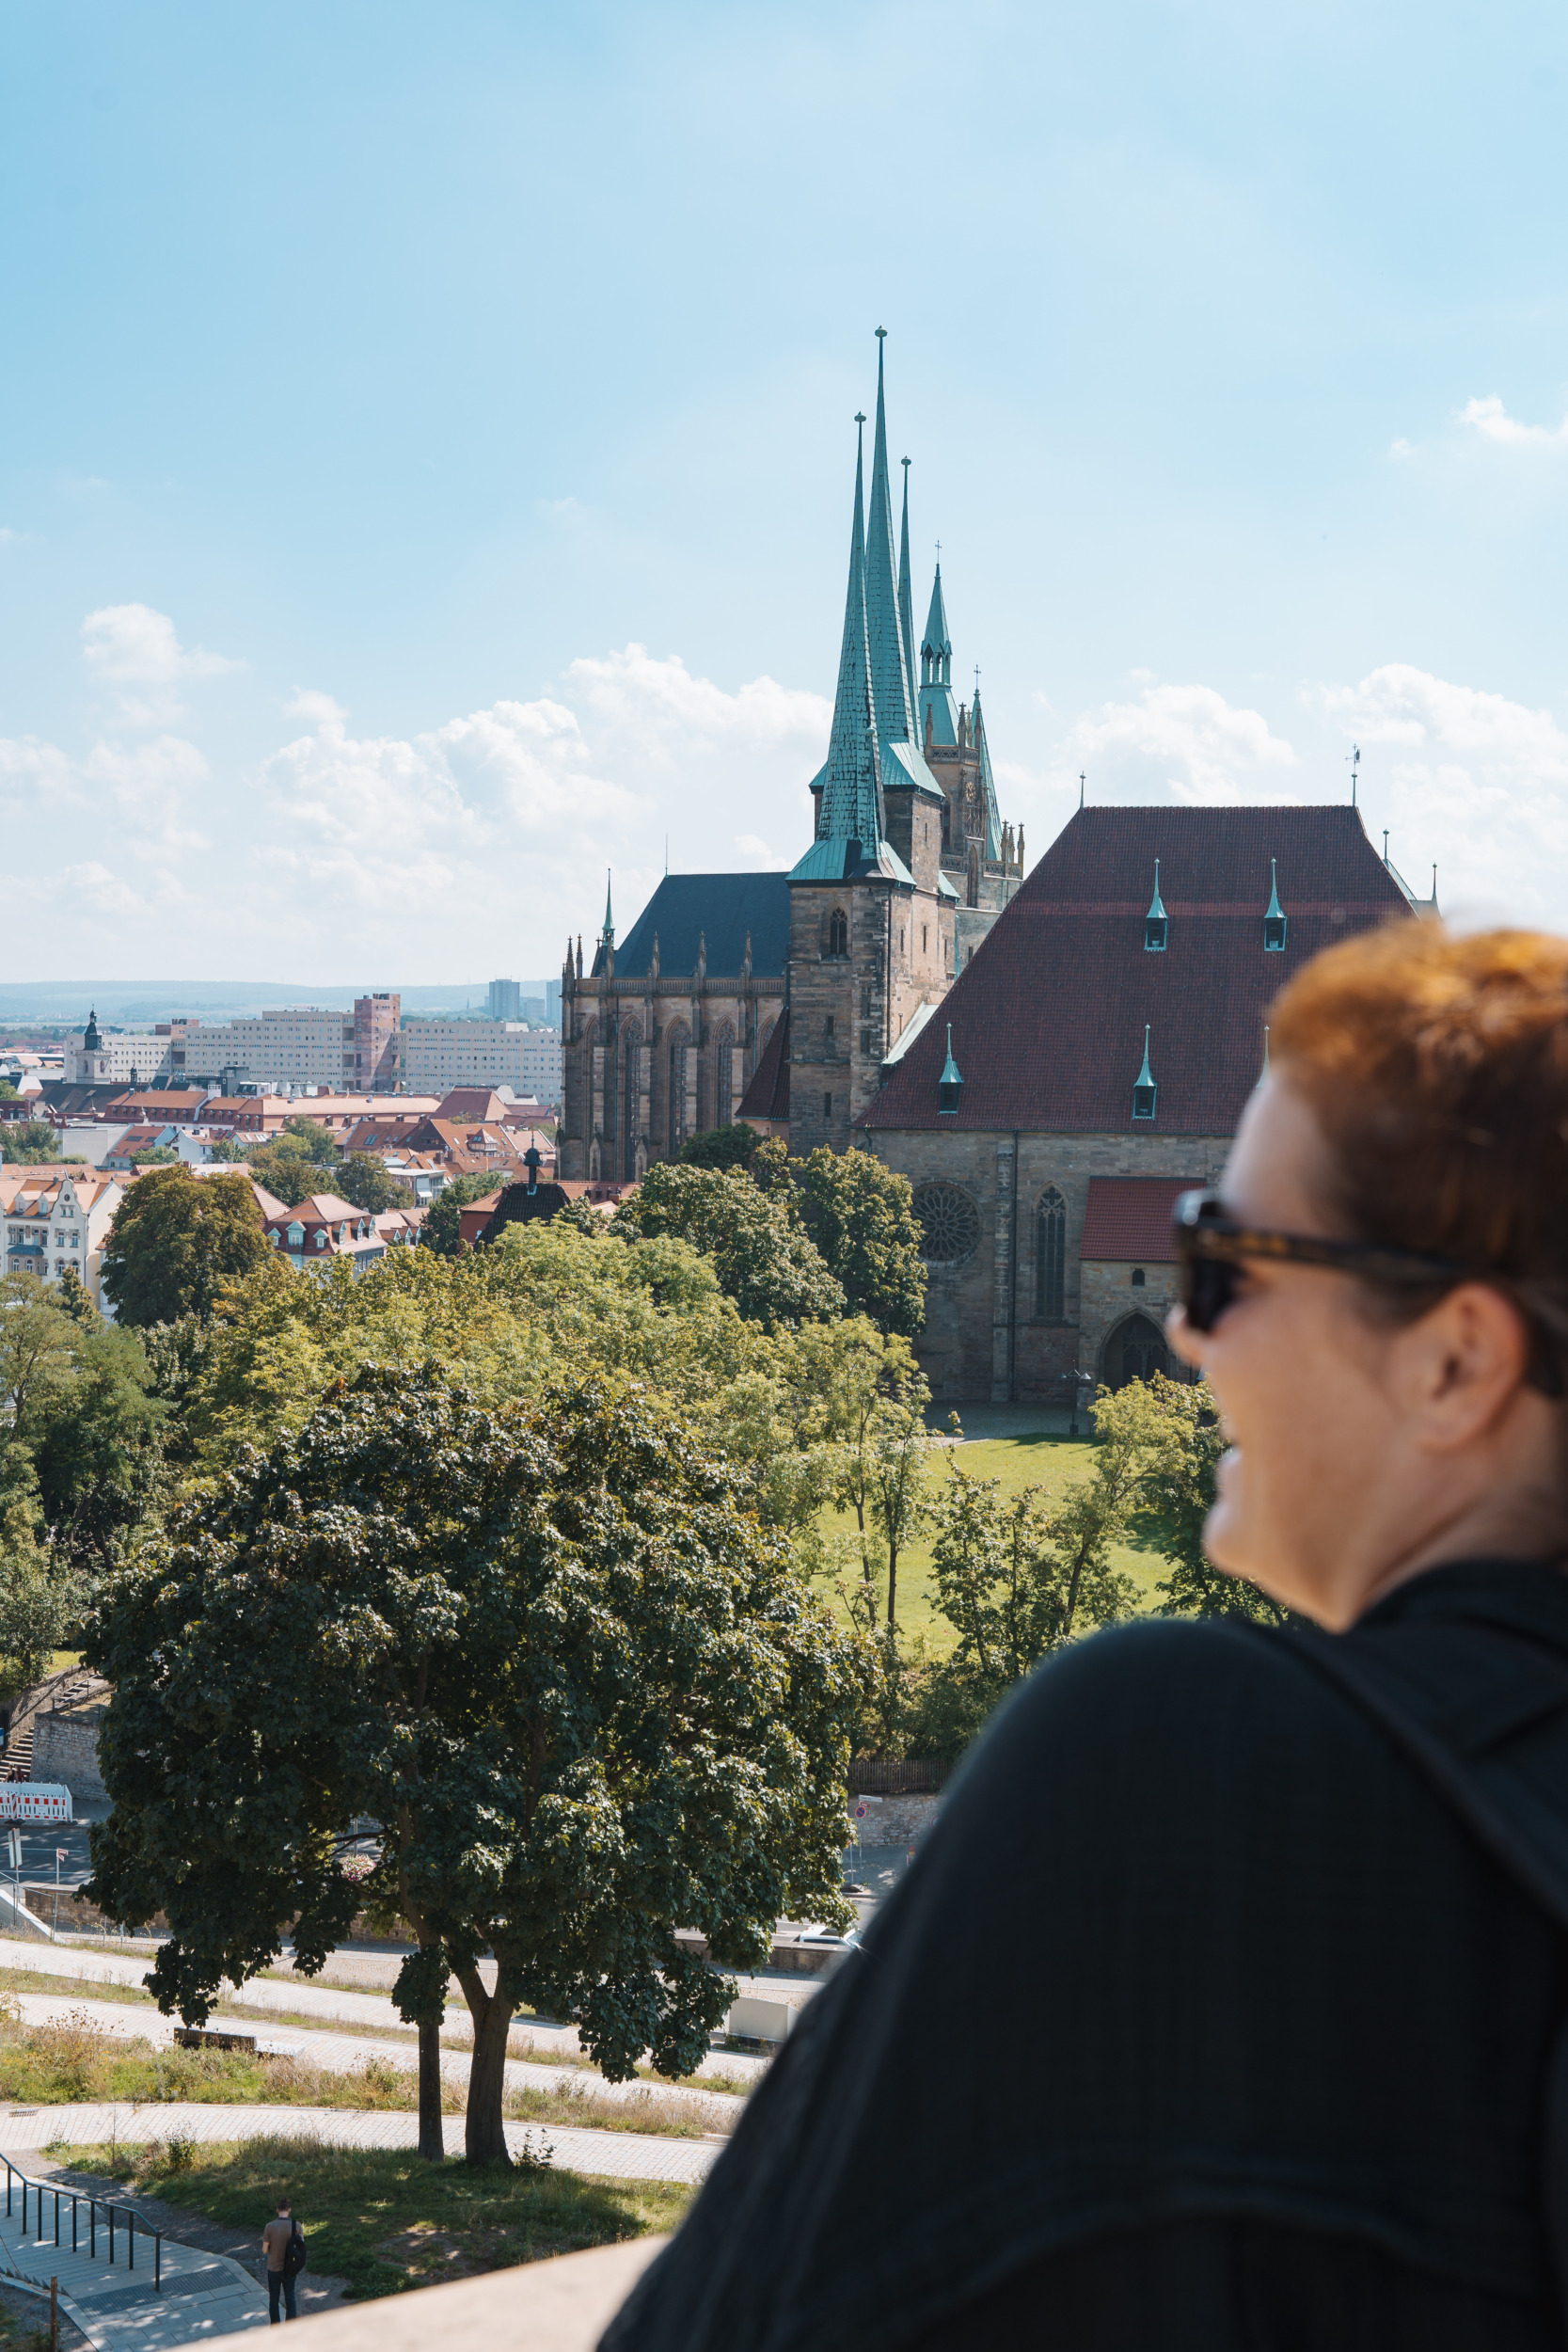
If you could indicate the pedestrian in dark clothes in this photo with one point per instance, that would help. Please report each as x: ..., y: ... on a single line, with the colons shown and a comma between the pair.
x: 1205, y: 2022
x: 274, y: 2246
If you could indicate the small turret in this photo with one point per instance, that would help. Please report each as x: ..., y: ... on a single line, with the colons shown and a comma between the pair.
x: 652, y: 959
x: 950, y: 1085
x: 1145, y: 1092
x: 1273, y: 921
x: 1156, y: 923
x: 92, y: 1043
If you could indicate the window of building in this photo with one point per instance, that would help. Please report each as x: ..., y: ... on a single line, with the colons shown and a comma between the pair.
x: 1137, y: 1277
x: 949, y: 1223
x: 838, y: 932
x: 826, y: 1106
x: 827, y: 1029
x: 1050, y: 1257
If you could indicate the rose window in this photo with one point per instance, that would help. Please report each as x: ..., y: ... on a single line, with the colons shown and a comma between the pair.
x: 949, y: 1221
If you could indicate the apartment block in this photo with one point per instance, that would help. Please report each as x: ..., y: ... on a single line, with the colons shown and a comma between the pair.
x: 439, y: 1055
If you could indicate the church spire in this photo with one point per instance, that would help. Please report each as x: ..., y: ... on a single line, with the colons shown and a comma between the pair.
x: 890, y: 677
x: 905, y: 609
x: 609, y: 916
x: 852, y: 788
x: 936, y: 649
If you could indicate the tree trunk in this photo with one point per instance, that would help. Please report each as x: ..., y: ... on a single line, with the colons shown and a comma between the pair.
x: 432, y: 2137
x: 891, y: 1578
x: 483, y: 2133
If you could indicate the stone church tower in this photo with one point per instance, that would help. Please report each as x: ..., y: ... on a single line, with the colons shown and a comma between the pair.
x: 871, y: 912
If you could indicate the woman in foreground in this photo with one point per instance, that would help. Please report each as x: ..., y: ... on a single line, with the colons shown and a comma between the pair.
x: 1207, y: 2020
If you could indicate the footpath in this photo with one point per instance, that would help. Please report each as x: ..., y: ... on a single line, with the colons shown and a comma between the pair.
x: 198, y: 2295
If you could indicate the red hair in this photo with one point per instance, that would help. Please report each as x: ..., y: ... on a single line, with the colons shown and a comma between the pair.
x: 1437, y: 1069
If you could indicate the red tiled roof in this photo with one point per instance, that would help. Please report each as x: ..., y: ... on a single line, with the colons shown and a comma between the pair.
x: 470, y: 1102
x: 1128, y: 1217
x: 1048, y: 1018
x: 768, y: 1096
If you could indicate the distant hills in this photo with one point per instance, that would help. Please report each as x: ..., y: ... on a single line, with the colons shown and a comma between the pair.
x: 160, y: 1000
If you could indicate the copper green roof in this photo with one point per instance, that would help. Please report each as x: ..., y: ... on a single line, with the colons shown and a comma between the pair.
x: 905, y: 607
x: 852, y: 806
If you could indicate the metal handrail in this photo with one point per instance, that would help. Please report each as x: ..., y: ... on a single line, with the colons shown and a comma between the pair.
x: 46, y: 2188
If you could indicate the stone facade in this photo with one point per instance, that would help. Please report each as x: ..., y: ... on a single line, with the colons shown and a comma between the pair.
x: 64, y: 1748
x: 648, y: 1062
x: 996, y: 1328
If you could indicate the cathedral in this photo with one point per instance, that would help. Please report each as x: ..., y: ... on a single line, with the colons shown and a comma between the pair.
x: 787, y: 998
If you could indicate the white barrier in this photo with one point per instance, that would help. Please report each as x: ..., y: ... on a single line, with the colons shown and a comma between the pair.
x: 35, y: 1801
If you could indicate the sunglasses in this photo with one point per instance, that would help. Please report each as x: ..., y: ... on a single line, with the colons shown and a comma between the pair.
x: 1212, y: 1249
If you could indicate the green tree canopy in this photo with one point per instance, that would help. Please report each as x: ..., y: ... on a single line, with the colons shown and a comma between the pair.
x: 30, y: 1143
x: 721, y: 1147
x: 548, y: 1647
x: 763, y: 1260
x: 176, y: 1239
x: 861, y: 1217
x: 440, y: 1228
x: 154, y: 1156
x: 362, y: 1179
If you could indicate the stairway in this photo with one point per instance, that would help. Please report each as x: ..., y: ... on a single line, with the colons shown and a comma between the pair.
x: 59, y: 1690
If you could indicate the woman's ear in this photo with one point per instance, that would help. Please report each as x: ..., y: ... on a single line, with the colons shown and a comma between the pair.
x: 1461, y: 1365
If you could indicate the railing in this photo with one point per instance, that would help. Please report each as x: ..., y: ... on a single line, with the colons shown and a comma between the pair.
x: 41, y: 2189
x: 897, y: 1775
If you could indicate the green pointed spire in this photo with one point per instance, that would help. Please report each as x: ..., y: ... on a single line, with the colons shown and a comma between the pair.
x: 1156, y: 922
x: 1146, y: 1092
x: 608, y: 915
x: 852, y: 788
x: 950, y: 1085
x: 1275, y: 919
x: 936, y: 649
x: 889, y: 671
x: 905, y: 607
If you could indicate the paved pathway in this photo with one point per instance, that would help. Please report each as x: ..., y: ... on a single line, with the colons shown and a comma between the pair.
x: 199, y: 2297
x: 612, y: 2156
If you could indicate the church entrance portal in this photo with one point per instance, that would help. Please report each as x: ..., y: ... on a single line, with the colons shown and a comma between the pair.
x: 1134, y: 1351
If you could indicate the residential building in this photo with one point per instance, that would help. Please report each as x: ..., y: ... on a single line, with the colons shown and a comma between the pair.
x: 53, y: 1218
x: 292, y: 1046
x: 438, y: 1055
x: 323, y: 1229
x: 506, y: 1000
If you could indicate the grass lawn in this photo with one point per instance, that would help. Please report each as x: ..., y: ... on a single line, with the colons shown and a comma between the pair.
x: 382, y: 2218
x: 1052, y: 1462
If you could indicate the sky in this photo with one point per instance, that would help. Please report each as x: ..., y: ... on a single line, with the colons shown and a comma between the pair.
x: 426, y: 445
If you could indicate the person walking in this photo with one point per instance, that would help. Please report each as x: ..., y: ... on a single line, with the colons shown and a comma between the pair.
x: 1257, y: 1933
x: 277, y: 2239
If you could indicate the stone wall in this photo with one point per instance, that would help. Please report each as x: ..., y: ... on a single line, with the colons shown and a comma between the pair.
x: 894, y: 1820
x: 984, y: 1340
x: 64, y: 1748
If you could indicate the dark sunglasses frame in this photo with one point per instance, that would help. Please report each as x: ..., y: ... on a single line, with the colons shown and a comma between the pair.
x: 1211, y: 1249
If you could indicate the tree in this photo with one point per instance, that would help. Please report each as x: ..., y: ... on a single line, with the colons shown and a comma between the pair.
x: 37, y: 1601
x: 721, y: 1147
x: 38, y: 1354
x: 154, y: 1156
x: 362, y: 1180
x: 8, y: 1092
x: 74, y: 1299
x: 546, y: 1646
x: 860, y: 1216
x: 175, y: 1240
x: 96, y: 1448
x: 228, y: 1150
x: 762, y: 1259
x: 440, y: 1228
x: 30, y: 1143
x: 286, y: 1175
x: 1186, y: 1443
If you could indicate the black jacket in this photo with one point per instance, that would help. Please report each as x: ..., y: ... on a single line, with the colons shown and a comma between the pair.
x: 1201, y: 2022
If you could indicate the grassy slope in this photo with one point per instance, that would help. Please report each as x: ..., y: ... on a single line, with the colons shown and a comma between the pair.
x: 383, y: 2219
x: 1051, y: 1462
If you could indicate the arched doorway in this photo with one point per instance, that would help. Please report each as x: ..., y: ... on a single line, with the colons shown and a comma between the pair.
x: 1134, y: 1351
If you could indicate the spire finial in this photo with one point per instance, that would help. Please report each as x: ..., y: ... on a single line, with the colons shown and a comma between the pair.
x: 609, y: 916
x: 1081, y: 781
x: 1385, y: 845
x: 1354, y: 771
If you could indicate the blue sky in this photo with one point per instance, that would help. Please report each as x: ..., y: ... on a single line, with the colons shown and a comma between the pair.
x: 426, y: 443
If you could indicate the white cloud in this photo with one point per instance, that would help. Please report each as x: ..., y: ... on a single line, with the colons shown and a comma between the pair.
x: 1474, y: 781
x: 134, y: 652
x: 1184, y: 744
x: 1491, y: 419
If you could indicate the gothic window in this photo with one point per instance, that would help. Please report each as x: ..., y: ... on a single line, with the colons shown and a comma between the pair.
x: 607, y: 1105
x: 632, y: 1064
x: 828, y: 1030
x: 1134, y: 1351
x: 949, y: 1223
x: 974, y: 893
x: 1050, y: 1257
x: 678, y: 1046
x: 723, y: 1077
x: 838, y: 932
x: 946, y: 824
x: 826, y: 1106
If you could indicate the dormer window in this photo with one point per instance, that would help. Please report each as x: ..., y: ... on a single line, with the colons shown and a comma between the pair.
x: 1146, y: 1092
x: 1273, y: 921
x: 950, y: 1085
x: 1156, y: 922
